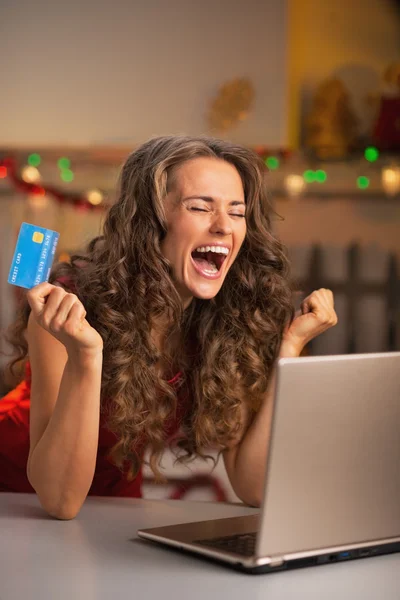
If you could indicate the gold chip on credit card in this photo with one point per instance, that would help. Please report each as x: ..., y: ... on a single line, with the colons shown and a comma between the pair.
x: 38, y: 237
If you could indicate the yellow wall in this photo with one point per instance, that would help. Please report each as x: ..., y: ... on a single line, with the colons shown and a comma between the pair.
x: 328, y: 36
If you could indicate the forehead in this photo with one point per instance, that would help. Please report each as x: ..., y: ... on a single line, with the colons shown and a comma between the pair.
x: 208, y: 177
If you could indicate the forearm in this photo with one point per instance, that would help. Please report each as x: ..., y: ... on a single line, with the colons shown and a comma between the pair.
x: 250, y: 460
x: 61, y: 466
x: 247, y: 475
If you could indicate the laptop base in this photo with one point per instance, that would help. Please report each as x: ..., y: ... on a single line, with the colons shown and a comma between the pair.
x: 323, y: 559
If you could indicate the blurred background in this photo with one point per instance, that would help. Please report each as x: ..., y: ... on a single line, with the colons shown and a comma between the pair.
x: 312, y: 86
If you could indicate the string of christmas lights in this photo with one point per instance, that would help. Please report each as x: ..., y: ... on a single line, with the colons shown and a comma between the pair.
x: 27, y: 179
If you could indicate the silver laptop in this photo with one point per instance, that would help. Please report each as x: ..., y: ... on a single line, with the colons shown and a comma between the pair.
x: 332, y: 486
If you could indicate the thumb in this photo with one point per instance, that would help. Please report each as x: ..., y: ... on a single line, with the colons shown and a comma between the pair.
x: 37, y: 297
x: 306, y: 307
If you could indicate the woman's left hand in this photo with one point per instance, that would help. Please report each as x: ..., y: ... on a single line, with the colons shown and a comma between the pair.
x: 316, y: 315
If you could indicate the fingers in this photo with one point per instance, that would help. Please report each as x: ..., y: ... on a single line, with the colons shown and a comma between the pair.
x: 53, y: 304
x: 321, y: 297
x: 75, y: 320
x: 55, y: 321
x: 326, y: 297
x: 52, y: 307
x: 37, y: 297
x: 321, y: 303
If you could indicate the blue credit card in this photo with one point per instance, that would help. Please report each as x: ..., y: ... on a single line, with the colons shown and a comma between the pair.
x: 33, y: 256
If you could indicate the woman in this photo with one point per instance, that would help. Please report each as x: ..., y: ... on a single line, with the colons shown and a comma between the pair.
x: 164, y: 333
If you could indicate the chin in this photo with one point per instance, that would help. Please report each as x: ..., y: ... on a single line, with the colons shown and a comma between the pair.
x: 192, y: 287
x: 205, y: 293
x: 209, y: 296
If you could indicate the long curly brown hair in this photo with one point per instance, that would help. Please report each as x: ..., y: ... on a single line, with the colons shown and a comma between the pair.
x: 227, y: 345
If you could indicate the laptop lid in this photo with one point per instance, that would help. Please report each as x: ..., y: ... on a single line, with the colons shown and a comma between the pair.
x: 333, y: 474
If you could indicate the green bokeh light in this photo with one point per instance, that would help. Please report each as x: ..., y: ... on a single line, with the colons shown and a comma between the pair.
x: 67, y: 175
x: 272, y: 162
x: 321, y: 176
x: 64, y: 163
x: 371, y: 153
x: 34, y: 160
x: 309, y: 176
x: 362, y: 182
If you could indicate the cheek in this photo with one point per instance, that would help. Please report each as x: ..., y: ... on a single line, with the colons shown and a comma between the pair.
x: 182, y: 234
x: 239, y: 243
x: 174, y: 242
x: 242, y: 235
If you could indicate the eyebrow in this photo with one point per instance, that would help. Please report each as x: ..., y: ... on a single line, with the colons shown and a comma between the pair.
x: 210, y: 199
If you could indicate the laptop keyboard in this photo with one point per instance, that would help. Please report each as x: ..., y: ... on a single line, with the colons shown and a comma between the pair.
x: 244, y: 544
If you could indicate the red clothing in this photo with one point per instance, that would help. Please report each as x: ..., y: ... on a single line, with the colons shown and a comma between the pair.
x: 108, y: 479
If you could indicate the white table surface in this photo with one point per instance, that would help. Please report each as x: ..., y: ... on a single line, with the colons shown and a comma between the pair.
x: 93, y: 557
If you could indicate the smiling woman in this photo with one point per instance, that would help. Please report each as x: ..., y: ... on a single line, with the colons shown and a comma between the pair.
x: 205, y: 210
x: 165, y: 332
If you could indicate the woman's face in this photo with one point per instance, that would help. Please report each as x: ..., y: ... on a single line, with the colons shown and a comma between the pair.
x: 205, y: 210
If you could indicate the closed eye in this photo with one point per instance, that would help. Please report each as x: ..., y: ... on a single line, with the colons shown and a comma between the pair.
x: 205, y: 210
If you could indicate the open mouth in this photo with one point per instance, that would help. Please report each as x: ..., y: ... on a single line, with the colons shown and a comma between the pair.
x: 209, y: 262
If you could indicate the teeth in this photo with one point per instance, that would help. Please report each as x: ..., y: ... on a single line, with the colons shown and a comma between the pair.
x: 216, y: 249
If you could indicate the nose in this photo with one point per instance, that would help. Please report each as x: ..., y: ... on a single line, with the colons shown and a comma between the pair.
x: 221, y: 224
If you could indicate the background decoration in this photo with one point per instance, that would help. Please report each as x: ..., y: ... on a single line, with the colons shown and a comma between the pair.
x: 391, y: 180
x: 331, y: 125
x: 28, y: 181
x: 87, y: 181
x: 386, y: 134
x: 231, y: 105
